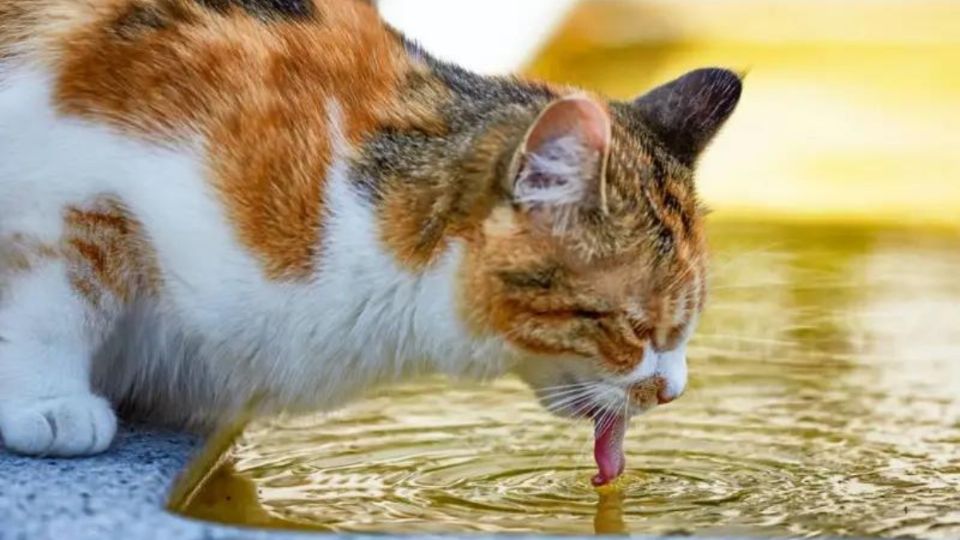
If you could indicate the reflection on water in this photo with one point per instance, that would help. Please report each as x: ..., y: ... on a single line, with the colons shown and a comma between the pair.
x: 824, y: 399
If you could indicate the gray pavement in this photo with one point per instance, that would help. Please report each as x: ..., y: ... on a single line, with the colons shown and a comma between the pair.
x: 117, y: 495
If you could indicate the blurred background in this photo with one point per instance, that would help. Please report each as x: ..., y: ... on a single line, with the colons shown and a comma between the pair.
x: 850, y: 112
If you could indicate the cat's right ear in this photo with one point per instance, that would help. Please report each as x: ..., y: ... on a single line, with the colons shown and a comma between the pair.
x: 560, y: 163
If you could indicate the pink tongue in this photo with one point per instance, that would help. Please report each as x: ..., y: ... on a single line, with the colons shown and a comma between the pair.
x: 608, y: 448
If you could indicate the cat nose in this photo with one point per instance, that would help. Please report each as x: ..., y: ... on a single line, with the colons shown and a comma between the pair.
x: 655, y: 390
x: 660, y: 378
x: 672, y: 371
x: 664, y: 396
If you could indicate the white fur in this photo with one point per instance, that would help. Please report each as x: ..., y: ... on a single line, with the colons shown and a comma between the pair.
x: 45, y: 401
x: 221, y: 333
x: 672, y: 368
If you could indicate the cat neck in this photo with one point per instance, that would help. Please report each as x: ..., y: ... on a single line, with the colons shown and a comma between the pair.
x: 438, y: 177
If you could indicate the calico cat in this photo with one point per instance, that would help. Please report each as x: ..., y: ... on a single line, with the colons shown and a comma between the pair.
x: 202, y: 201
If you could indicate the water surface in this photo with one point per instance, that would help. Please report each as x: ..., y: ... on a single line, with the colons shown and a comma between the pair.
x: 824, y: 399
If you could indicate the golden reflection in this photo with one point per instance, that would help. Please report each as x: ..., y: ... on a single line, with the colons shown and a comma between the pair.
x: 609, y: 518
x: 229, y: 497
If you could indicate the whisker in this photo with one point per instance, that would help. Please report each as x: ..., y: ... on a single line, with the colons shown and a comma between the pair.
x: 568, y: 385
x: 561, y: 393
x: 564, y: 402
x: 583, y: 395
x: 559, y: 407
x: 608, y: 415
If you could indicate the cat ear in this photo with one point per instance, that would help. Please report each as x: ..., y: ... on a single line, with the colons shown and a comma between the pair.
x: 561, y: 160
x: 687, y: 113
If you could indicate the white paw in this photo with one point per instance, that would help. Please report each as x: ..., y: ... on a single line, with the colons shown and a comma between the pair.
x: 79, y: 425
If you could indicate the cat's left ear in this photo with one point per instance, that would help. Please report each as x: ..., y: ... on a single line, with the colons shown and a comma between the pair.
x: 561, y: 160
x: 687, y: 113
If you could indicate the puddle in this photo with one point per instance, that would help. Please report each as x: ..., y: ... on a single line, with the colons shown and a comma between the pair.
x: 824, y: 400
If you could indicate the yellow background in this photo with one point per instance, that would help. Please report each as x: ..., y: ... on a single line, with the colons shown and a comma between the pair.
x: 850, y: 111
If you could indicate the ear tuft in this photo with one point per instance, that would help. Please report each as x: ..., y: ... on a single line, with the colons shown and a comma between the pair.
x: 687, y: 113
x: 556, y: 174
x: 561, y: 159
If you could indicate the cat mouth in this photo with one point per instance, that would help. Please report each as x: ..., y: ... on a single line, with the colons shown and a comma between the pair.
x: 609, y: 431
x: 610, y: 410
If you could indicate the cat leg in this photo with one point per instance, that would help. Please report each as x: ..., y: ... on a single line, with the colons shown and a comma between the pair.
x: 48, y: 334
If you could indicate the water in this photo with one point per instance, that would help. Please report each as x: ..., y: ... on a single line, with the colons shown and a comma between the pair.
x: 824, y: 400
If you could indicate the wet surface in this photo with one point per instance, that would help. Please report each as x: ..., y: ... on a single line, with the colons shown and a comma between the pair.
x: 824, y: 399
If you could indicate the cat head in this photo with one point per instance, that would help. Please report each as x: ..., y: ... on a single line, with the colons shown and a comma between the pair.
x: 593, y: 265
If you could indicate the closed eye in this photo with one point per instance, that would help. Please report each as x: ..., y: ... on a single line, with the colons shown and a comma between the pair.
x: 577, y: 313
x: 544, y: 278
x: 590, y: 314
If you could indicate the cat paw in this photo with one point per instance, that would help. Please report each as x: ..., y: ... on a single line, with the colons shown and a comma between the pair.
x: 70, y: 426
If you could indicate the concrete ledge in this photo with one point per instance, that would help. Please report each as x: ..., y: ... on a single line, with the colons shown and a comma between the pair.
x: 117, y: 495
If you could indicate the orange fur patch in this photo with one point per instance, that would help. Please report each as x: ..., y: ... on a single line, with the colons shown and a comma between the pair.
x: 20, y: 254
x: 107, y: 252
x: 259, y: 92
x: 104, y: 249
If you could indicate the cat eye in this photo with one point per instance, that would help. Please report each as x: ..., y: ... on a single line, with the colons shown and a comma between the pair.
x: 540, y: 278
x: 587, y: 314
x: 590, y: 314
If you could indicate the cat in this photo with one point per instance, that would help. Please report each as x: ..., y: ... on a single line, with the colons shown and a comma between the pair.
x: 207, y: 201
